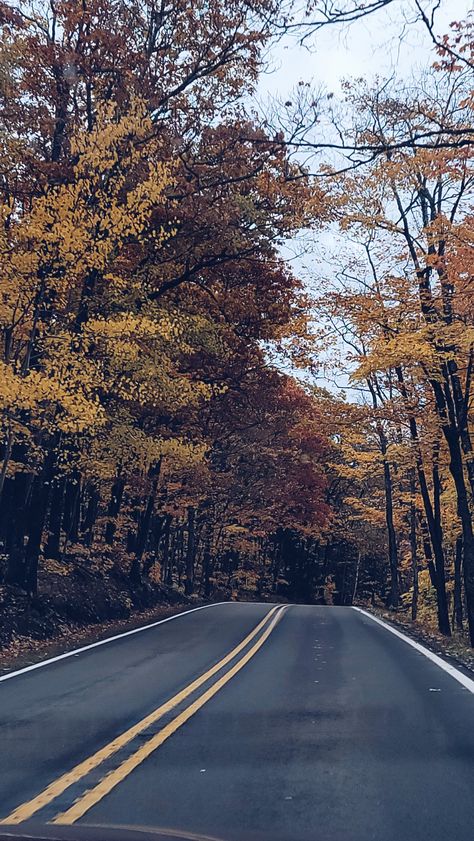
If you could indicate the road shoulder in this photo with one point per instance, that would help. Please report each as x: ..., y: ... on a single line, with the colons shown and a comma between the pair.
x: 453, y: 650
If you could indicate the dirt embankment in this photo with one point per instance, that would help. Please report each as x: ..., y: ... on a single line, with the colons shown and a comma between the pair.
x: 75, y: 606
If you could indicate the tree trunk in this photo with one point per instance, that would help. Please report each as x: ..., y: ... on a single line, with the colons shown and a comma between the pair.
x: 180, y: 553
x: 36, y: 516
x: 356, y: 577
x: 165, y: 564
x: 171, y: 555
x: 442, y: 598
x: 116, y: 496
x: 91, y: 514
x: 458, y: 609
x: 72, y: 510
x: 6, y: 460
x: 464, y: 514
x: 190, y: 552
x: 144, y: 524
x: 433, y: 516
x: 393, y: 600
x: 414, y: 561
x: 207, y: 565
x: 36, y: 521
x: 76, y: 512
x: 16, y: 532
x: 53, y: 543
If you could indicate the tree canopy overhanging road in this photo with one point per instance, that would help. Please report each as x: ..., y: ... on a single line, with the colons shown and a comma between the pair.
x: 183, y: 410
x: 236, y: 371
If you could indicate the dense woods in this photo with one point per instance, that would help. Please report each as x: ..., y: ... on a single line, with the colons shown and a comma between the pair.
x: 160, y: 418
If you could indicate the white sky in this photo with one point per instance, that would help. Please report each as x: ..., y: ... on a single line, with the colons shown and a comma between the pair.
x: 368, y: 48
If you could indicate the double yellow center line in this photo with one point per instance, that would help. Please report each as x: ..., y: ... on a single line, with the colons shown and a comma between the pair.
x: 113, y: 778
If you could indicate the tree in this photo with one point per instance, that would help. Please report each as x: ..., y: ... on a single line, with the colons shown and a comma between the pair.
x: 142, y: 209
x: 407, y: 309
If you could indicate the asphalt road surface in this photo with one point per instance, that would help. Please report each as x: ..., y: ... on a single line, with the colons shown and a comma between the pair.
x: 244, y: 721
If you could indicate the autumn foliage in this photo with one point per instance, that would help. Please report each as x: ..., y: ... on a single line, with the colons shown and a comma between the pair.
x: 142, y: 290
x: 148, y: 318
x: 401, y: 306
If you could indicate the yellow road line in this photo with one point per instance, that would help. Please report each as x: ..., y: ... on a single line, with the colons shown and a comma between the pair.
x: 54, y: 789
x: 113, y: 778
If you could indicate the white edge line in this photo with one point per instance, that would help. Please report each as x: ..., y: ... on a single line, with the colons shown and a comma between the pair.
x: 461, y: 678
x: 105, y: 641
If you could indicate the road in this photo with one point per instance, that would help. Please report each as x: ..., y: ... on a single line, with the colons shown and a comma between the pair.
x: 245, y: 721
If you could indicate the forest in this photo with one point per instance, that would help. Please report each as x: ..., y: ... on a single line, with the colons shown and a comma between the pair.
x: 168, y: 427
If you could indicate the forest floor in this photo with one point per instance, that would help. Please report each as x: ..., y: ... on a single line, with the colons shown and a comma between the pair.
x: 455, y: 649
x: 76, y: 606
x: 26, y: 650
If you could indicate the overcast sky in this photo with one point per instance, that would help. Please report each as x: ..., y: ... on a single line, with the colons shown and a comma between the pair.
x: 385, y: 44
x: 369, y: 47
